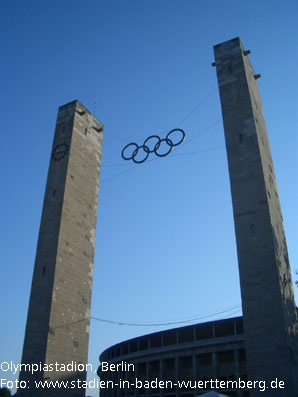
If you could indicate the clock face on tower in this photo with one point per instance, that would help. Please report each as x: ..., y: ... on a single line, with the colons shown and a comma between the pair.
x: 59, y: 151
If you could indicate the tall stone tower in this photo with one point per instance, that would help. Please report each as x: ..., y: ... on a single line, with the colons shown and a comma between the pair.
x: 58, y: 320
x: 269, y: 309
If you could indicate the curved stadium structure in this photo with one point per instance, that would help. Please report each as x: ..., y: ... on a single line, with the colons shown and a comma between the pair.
x: 200, y: 352
x: 262, y: 345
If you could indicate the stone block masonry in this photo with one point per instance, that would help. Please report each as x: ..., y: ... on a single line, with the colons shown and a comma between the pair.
x: 58, y: 320
x: 269, y: 310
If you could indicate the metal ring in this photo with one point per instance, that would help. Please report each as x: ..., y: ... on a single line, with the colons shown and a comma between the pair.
x: 147, y: 149
x: 150, y: 137
x: 157, y: 146
x: 136, y: 152
x: 123, y: 150
x: 181, y: 140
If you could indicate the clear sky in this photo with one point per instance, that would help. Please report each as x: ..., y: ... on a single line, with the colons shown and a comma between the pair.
x: 165, y: 245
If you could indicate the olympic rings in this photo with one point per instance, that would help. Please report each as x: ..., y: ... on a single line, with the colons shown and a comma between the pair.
x: 147, y: 150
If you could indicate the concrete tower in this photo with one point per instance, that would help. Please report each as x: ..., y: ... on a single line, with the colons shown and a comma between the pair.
x: 58, y: 320
x: 269, y: 308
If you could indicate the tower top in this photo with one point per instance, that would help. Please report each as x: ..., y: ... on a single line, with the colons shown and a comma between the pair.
x: 231, y: 43
x: 82, y: 111
x: 232, y: 46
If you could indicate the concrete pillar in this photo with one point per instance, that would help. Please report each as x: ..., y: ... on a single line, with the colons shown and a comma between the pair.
x: 57, y: 329
x: 269, y: 310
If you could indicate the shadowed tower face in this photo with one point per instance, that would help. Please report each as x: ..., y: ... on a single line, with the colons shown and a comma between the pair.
x: 269, y: 308
x: 58, y: 320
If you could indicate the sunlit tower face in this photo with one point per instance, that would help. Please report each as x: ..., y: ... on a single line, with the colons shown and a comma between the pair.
x: 58, y: 320
x: 269, y: 308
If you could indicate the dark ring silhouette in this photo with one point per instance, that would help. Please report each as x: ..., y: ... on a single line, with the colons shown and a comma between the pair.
x: 146, y: 150
x: 150, y: 137
x: 169, y: 142
x: 181, y: 140
x: 157, y: 145
x: 123, y: 150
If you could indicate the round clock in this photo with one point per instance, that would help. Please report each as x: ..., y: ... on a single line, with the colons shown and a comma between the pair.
x: 59, y: 151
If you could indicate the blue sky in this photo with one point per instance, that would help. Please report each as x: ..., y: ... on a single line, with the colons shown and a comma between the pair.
x: 165, y: 247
